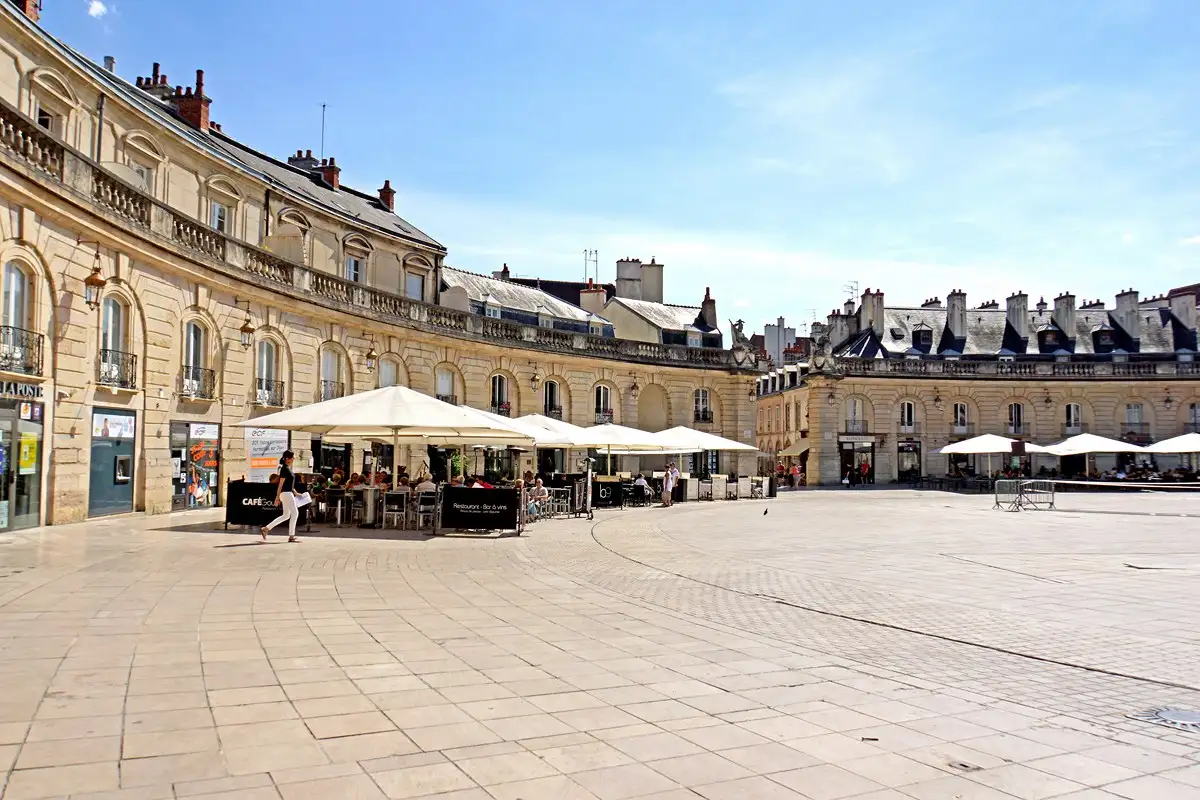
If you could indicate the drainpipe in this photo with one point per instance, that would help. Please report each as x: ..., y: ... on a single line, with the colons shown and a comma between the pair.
x: 99, y: 127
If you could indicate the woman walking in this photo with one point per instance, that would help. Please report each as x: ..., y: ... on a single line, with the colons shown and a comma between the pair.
x: 285, y: 497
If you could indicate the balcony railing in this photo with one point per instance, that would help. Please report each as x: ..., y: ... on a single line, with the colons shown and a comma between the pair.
x: 553, y: 412
x: 198, y: 383
x: 702, y: 415
x: 502, y: 409
x: 1073, y: 428
x: 1018, y: 429
x: 604, y: 417
x: 908, y: 428
x: 331, y: 390
x: 1136, y: 432
x: 20, y: 351
x: 856, y: 426
x: 965, y: 431
x: 117, y: 369
x: 1191, y: 427
x: 448, y: 398
x: 268, y: 393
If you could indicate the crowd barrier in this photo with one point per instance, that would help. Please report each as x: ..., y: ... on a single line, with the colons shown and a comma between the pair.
x: 1024, y: 493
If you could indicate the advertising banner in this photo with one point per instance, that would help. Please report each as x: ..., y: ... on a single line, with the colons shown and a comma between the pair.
x: 253, y: 504
x: 264, y: 446
x: 480, y: 509
x: 112, y: 426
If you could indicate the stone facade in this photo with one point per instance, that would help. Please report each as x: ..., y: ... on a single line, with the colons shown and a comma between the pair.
x: 124, y: 187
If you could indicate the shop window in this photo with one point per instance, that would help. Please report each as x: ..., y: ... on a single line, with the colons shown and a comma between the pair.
x: 195, y: 459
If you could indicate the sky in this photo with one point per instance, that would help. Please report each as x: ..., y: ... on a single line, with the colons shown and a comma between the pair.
x: 778, y: 152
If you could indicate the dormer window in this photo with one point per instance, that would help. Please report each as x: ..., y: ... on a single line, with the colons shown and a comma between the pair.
x: 923, y: 338
x: 693, y: 339
x: 1050, y: 337
x: 492, y: 311
x: 1104, y: 338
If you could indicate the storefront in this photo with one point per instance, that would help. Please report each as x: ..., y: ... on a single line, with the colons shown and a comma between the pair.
x: 551, y: 460
x: 196, y: 465
x: 857, y: 452
x: 908, y: 461
x: 264, y: 446
x: 21, y: 432
x: 110, y: 480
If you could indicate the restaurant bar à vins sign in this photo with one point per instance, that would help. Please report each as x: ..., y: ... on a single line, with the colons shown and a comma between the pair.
x: 480, y: 509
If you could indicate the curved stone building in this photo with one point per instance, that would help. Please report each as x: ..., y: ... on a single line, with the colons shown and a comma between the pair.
x: 163, y: 281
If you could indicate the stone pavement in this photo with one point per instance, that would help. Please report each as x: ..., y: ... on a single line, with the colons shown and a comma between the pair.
x: 880, y: 646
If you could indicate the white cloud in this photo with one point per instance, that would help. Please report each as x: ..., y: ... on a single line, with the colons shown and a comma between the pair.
x: 1191, y: 240
x: 97, y: 9
x: 1128, y: 237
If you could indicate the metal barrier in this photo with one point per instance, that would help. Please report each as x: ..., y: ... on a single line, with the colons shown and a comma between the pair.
x: 1008, y: 495
x: 1037, y: 494
x: 1014, y: 495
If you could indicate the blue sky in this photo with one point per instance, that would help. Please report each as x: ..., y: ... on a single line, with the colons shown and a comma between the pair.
x: 774, y: 151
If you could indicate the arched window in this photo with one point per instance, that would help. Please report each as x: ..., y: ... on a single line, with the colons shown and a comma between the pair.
x: 332, y: 374
x: 500, y: 402
x: 604, y: 410
x: 198, y: 379
x: 389, y: 372
x: 908, y: 417
x: 444, y: 385
x: 17, y: 291
x: 1016, y: 419
x: 702, y: 411
x: 1135, y: 429
x: 268, y: 386
x: 552, y: 400
x: 118, y: 367
x: 1073, y: 424
x: 962, y: 418
x: 1193, y: 421
x: 855, y: 416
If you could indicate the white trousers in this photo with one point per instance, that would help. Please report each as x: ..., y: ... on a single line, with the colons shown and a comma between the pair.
x: 290, y: 515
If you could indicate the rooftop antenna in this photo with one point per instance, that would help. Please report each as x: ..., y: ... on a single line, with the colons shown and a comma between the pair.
x: 591, y: 258
x: 851, y: 289
x: 322, y: 130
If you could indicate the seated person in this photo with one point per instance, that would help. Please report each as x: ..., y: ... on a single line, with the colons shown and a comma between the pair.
x: 426, y: 484
x: 338, y: 478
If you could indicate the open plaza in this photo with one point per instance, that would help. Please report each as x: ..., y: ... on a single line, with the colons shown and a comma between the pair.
x: 881, y: 644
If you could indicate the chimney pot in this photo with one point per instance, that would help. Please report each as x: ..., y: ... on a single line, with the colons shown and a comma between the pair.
x: 308, y: 153
x: 139, y: 83
x: 187, y: 92
x: 110, y: 63
x: 387, y: 195
x: 154, y: 72
x: 200, y: 82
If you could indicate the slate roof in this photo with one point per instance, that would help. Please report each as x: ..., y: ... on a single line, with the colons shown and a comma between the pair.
x: 507, y: 294
x: 567, y: 291
x: 665, y: 316
x: 345, y: 202
x: 989, y: 333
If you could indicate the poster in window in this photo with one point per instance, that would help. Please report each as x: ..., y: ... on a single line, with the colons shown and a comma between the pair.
x: 27, y: 455
x: 112, y: 426
x: 26, y: 410
x: 3, y: 514
x: 264, y: 446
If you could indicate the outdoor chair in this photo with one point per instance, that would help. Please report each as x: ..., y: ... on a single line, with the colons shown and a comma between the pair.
x: 335, y: 504
x: 425, y: 509
x: 395, y: 508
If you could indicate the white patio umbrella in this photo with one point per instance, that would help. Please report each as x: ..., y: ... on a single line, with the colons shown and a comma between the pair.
x: 987, y: 445
x: 1187, y: 443
x: 398, y: 413
x: 700, y: 440
x: 1086, y: 443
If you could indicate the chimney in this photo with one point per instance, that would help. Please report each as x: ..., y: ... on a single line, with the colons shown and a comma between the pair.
x: 990, y: 305
x: 848, y: 307
x: 1126, y: 313
x: 110, y: 64
x: 956, y: 313
x: 1064, y: 314
x: 870, y: 313
x: 30, y: 8
x: 629, y: 278
x: 304, y: 160
x: 652, y: 281
x: 1018, y: 314
x: 191, y: 107
x: 592, y: 298
x: 387, y: 196
x: 1041, y: 305
x: 1183, y: 308
x: 501, y: 274
x: 933, y: 302
x: 708, y: 309
x: 330, y: 172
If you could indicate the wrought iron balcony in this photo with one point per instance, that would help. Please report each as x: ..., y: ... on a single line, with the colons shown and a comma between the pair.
x: 856, y: 426
x: 908, y: 429
x: 1073, y: 428
x: 331, y: 390
x: 452, y: 399
x: 553, y: 412
x: 702, y: 415
x: 198, y: 383
x: 1191, y: 427
x: 604, y: 417
x: 1019, y: 429
x: 1136, y: 432
x: 117, y: 369
x: 20, y: 350
x: 502, y: 409
x: 964, y: 431
x: 268, y: 393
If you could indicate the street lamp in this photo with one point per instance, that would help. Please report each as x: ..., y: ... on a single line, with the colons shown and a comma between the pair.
x: 372, y: 356
x: 634, y: 389
x: 831, y: 400
x: 247, y: 330
x: 93, y: 284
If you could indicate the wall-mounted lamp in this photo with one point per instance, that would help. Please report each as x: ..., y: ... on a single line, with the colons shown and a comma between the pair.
x: 1168, y: 402
x: 938, y: 402
x: 93, y: 284
x: 372, y: 356
x: 535, y: 380
x: 831, y: 400
x: 1047, y: 400
x: 247, y: 330
x: 635, y: 389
